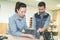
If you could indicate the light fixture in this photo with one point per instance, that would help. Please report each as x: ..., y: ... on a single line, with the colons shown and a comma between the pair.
x: 58, y: 5
x: 38, y: 0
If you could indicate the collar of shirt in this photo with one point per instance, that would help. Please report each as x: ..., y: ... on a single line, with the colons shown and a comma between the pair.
x: 17, y: 17
x: 45, y: 13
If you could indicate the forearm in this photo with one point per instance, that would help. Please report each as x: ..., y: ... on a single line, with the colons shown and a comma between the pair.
x: 41, y: 29
x: 28, y: 35
x: 44, y: 28
x: 24, y: 35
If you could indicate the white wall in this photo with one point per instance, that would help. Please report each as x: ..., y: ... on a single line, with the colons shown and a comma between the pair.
x: 6, y: 10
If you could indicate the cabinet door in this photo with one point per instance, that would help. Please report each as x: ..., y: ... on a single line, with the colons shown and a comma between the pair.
x: 3, y: 28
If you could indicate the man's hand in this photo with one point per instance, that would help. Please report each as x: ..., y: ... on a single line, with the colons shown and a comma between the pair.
x: 41, y: 29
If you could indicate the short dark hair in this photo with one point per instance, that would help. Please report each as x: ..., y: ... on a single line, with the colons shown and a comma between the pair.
x: 19, y: 5
x: 42, y: 4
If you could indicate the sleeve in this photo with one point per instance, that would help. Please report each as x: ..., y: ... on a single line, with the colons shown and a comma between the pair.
x: 47, y: 22
x: 13, y: 29
x: 33, y: 23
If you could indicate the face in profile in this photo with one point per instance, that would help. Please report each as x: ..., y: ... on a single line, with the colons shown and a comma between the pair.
x: 41, y: 9
x: 21, y: 11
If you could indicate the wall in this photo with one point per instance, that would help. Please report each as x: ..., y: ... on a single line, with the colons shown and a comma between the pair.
x: 58, y: 21
x: 6, y: 10
x: 56, y: 17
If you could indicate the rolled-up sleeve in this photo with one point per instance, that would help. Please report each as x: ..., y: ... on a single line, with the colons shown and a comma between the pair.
x: 47, y: 22
x: 12, y: 28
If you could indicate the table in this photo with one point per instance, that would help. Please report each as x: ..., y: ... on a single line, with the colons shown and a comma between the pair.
x: 10, y: 37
